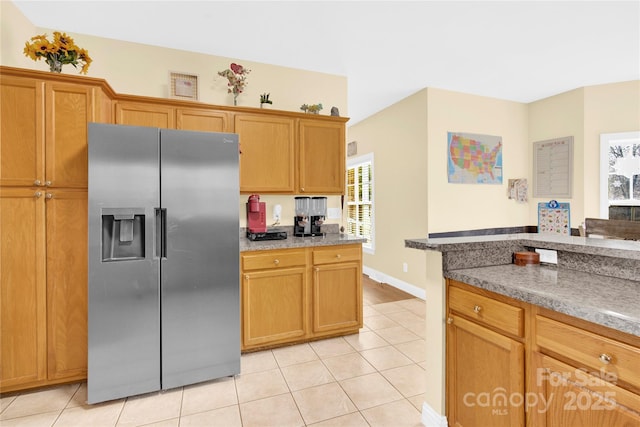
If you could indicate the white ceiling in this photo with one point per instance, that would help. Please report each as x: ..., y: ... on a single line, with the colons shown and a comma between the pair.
x: 513, y: 50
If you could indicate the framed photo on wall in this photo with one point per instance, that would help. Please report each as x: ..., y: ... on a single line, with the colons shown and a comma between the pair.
x: 183, y: 86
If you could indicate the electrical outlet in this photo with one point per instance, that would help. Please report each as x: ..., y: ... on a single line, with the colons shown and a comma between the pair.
x: 405, y: 267
x: 333, y: 213
x: 277, y: 212
x: 548, y: 256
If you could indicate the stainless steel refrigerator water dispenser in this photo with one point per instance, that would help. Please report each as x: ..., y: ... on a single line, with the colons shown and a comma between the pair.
x: 164, y: 293
x: 122, y: 234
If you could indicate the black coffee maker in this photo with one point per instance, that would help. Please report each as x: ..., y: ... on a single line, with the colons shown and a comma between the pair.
x: 310, y: 215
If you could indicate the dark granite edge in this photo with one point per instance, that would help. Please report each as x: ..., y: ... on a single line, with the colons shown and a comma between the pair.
x: 589, y: 313
x: 485, y: 232
x: 613, y: 248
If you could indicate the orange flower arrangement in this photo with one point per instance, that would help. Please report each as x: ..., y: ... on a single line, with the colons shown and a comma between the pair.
x: 62, y: 50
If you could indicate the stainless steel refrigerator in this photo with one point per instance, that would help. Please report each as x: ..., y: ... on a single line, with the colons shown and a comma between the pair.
x: 164, y: 308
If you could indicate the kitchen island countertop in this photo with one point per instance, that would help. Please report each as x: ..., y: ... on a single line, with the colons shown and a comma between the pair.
x: 567, y: 288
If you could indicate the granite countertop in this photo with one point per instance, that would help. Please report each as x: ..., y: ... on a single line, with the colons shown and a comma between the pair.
x: 603, y: 300
x: 329, y: 239
x: 603, y: 287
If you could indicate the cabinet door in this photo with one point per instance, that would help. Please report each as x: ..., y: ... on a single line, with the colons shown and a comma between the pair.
x: 23, y: 318
x: 69, y: 109
x: 337, y: 297
x: 567, y: 396
x: 201, y: 120
x: 485, y: 376
x: 67, y: 283
x: 267, y: 153
x: 21, y: 131
x: 140, y: 114
x: 321, y: 156
x: 274, y: 306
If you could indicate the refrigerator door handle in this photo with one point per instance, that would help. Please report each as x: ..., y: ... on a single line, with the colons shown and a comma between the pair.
x: 161, y: 233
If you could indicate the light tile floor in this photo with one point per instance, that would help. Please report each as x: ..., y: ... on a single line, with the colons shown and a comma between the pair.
x: 374, y: 378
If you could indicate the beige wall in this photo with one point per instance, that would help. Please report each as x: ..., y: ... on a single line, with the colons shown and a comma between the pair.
x: 412, y: 195
x: 453, y: 207
x: 584, y: 113
x: 398, y: 138
x: 138, y: 69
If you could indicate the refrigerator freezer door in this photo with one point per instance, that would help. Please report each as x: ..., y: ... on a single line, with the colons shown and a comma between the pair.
x: 200, y: 274
x: 124, y: 324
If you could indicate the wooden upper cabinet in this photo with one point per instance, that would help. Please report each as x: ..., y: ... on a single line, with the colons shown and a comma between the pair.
x: 321, y: 168
x: 145, y: 114
x: 21, y: 131
x: 202, y: 120
x: 68, y: 110
x: 44, y: 131
x: 267, y: 157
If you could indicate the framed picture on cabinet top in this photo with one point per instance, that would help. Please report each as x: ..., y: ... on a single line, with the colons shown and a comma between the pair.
x: 183, y: 86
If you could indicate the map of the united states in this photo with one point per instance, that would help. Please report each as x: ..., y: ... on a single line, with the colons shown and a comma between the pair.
x: 473, y: 160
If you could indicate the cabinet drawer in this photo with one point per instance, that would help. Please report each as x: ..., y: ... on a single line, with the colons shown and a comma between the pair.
x: 618, y: 360
x: 336, y: 254
x: 488, y: 311
x: 269, y: 260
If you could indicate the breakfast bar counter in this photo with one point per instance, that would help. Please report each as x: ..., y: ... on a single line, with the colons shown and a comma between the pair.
x: 597, y: 280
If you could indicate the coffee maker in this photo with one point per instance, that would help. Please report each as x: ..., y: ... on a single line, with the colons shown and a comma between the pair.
x: 310, y: 215
x: 256, y: 215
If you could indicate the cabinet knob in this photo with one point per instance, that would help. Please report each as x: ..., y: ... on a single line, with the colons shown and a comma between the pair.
x: 276, y: 261
x: 302, y: 189
x: 449, y: 320
x: 477, y: 309
x: 48, y: 183
x: 49, y: 196
x: 246, y: 277
x: 338, y: 256
x: 37, y: 194
x: 37, y: 183
x: 605, y: 358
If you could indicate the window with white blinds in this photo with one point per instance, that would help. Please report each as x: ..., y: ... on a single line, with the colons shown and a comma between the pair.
x: 360, y: 200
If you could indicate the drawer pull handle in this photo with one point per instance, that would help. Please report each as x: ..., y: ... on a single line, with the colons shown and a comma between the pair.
x: 605, y: 358
x: 38, y: 194
x: 449, y: 320
x: 276, y: 261
x: 477, y: 309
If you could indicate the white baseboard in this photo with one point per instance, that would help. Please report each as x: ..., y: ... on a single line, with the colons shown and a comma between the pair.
x: 430, y: 418
x: 396, y: 283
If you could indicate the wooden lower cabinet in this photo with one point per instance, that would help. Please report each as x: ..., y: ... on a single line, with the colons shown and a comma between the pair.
x: 337, y: 289
x: 23, y: 299
x: 43, y: 279
x: 274, y: 306
x: 67, y: 278
x: 285, y: 298
x: 558, y: 371
x: 568, y: 396
x: 485, y: 364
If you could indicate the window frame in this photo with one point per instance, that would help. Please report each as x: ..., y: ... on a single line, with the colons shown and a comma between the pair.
x: 369, y: 246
